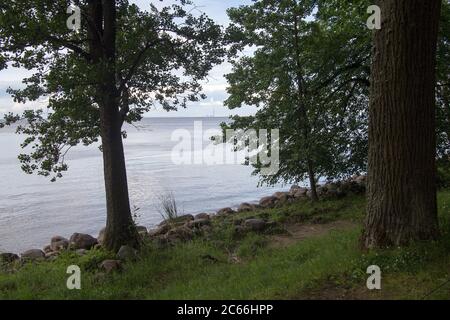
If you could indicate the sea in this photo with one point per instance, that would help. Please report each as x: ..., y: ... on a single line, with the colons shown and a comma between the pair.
x: 163, y: 155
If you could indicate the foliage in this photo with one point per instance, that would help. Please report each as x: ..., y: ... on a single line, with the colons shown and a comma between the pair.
x: 308, y: 77
x: 168, y: 207
x: 161, y: 55
x: 328, y: 266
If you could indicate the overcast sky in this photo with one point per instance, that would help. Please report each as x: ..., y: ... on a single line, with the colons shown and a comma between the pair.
x: 214, y: 87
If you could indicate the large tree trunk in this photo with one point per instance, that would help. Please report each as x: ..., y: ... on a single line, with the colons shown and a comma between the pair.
x: 120, y: 228
x: 312, y: 182
x: 402, y: 142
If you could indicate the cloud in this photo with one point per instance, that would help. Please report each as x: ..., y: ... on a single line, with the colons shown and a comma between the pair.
x: 214, y: 87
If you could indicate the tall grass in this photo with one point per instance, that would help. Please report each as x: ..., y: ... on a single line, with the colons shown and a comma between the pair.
x: 168, y: 206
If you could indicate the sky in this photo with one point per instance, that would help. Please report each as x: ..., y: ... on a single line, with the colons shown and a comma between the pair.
x: 214, y: 87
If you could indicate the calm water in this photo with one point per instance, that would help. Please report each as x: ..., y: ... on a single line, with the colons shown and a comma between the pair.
x: 32, y: 209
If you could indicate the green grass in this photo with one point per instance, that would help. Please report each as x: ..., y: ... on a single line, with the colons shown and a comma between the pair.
x: 329, y: 266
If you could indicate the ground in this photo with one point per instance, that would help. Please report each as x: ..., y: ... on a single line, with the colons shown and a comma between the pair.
x: 312, y: 253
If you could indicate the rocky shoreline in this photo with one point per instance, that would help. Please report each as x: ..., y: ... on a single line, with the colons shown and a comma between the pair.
x: 185, y: 227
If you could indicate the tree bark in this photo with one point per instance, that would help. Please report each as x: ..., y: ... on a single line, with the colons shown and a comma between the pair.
x: 120, y: 228
x: 402, y: 142
x: 312, y: 182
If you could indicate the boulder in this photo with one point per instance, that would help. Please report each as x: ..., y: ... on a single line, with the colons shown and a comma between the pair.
x: 268, y: 202
x: 282, y: 197
x: 33, y: 254
x: 198, y: 223
x: 141, y: 229
x: 225, y: 211
x: 51, y: 255
x: 159, y: 231
x: 110, y: 265
x: 256, y: 225
x: 178, y: 220
x: 297, y: 192
x: 201, y: 216
x: 82, y: 241
x: 246, y: 207
x: 182, y: 233
x: 8, y: 257
x: 47, y: 249
x: 58, y: 243
x: 127, y: 253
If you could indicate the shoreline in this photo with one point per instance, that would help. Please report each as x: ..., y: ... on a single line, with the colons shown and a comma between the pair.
x: 81, y: 242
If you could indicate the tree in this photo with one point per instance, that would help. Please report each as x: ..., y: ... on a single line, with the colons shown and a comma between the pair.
x: 122, y: 62
x: 402, y: 141
x: 302, y: 78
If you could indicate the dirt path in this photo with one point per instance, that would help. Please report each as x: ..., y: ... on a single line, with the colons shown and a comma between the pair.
x: 299, y: 232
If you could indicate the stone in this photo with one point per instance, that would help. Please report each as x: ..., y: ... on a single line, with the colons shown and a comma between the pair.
x: 159, y: 231
x: 198, y: 223
x: 58, y: 243
x: 33, y: 254
x: 256, y: 225
x: 8, y: 257
x: 127, y: 253
x: 225, y: 211
x: 110, y: 265
x: 246, y: 207
x: 300, y: 193
x: 282, y: 197
x: 297, y: 192
x: 47, y: 249
x: 268, y: 202
x: 178, y: 220
x: 82, y: 241
x: 140, y: 229
x: 52, y: 255
x: 201, y: 216
x: 180, y: 233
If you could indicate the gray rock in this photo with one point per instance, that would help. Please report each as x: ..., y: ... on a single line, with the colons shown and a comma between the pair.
x: 110, y: 265
x: 201, y: 216
x: 127, y: 253
x: 47, y: 249
x: 256, y: 225
x: 82, y: 241
x: 160, y: 230
x: 197, y: 223
x: 52, y: 255
x: 268, y: 202
x: 178, y: 220
x: 141, y: 229
x: 282, y: 197
x: 225, y: 211
x: 182, y: 233
x: 8, y: 257
x: 58, y: 243
x: 33, y: 254
x: 246, y: 207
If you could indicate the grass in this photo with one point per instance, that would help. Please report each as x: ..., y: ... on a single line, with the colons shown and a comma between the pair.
x: 228, y: 266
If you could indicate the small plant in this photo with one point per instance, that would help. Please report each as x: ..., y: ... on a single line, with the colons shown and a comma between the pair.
x: 168, y: 207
